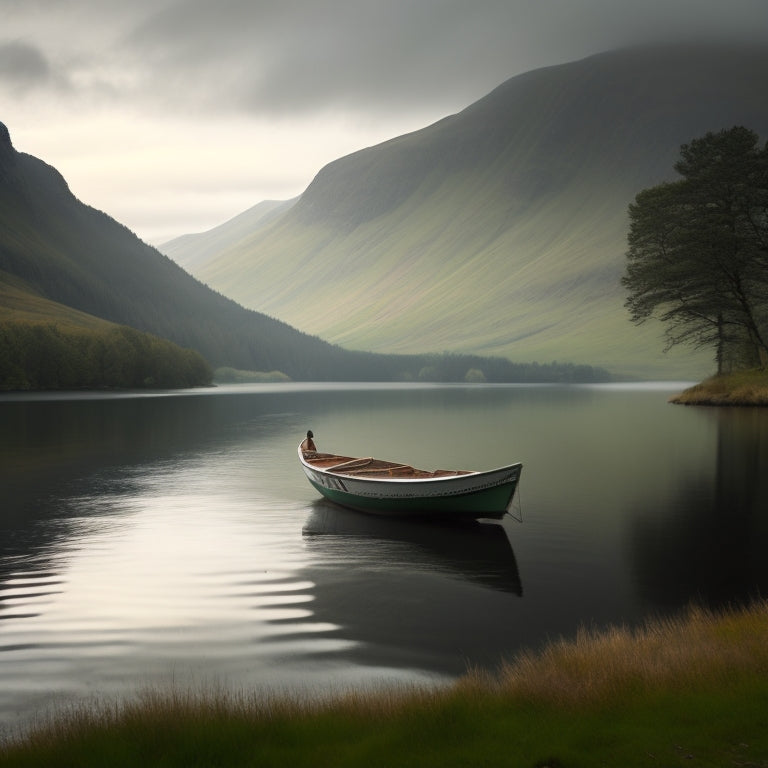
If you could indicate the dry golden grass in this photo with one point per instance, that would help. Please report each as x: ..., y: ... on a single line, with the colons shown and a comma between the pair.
x: 610, y: 697
x: 742, y: 388
x: 699, y: 647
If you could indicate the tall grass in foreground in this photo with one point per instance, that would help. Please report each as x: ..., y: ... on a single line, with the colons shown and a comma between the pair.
x: 601, y: 667
x: 691, y: 691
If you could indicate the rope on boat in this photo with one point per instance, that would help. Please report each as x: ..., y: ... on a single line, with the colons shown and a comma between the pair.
x: 519, y: 516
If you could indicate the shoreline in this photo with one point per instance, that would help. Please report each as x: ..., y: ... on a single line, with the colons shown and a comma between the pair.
x: 743, y: 389
x: 624, y: 696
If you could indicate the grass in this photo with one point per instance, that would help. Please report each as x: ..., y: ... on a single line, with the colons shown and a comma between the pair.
x: 743, y: 388
x: 20, y: 303
x: 690, y: 692
x: 228, y: 375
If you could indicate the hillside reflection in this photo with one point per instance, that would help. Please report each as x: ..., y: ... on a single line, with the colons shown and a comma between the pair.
x: 713, y: 547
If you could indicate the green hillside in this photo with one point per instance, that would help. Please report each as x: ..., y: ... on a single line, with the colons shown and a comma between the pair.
x: 502, y: 229
x: 191, y: 251
x: 45, y: 345
x: 59, y: 250
x: 85, y: 303
x: 79, y: 257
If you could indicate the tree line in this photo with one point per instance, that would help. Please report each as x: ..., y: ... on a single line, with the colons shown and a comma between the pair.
x: 44, y: 356
x: 698, y: 250
x: 37, y: 356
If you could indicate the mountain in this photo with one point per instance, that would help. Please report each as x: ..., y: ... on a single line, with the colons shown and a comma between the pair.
x: 501, y: 229
x: 193, y: 251
x: 79, y: 290
x: 75, y: 257
x: 48, y: 345
x: 45, y: 345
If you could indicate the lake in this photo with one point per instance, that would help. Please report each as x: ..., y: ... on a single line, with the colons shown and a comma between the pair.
x: 171, y: 540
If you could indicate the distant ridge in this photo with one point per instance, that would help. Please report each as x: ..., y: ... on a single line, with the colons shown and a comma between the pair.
x: 501, y: 229
x: 75, y: 265
x: 191, y: 251
x: 85, y: 303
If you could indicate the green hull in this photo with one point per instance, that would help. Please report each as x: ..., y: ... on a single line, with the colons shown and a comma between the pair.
x: 390, y: 488
x: 489, y: 503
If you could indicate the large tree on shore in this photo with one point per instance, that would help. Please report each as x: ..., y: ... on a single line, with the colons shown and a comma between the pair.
x: 698, y: 249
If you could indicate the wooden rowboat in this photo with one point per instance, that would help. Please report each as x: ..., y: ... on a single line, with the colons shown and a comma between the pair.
x: 386, y: 487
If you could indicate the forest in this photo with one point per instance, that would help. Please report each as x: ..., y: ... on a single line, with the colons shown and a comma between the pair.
x: 49, y: 356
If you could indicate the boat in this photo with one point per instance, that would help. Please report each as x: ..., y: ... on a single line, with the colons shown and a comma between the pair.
x: 390, y: 488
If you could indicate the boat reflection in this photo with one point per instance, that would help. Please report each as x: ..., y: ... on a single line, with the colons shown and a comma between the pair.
x: 478, y: 552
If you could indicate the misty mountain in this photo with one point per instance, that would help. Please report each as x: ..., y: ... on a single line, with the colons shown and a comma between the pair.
x: 80, y: 294
x: 67, y: 264
x: 501, y: 229
x: 193, y: 251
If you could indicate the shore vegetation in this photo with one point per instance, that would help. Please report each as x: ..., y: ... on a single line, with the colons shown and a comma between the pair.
x: 228, y: 375
x: 50, y: 356
x: 740, y: 388
x: 686, y: 691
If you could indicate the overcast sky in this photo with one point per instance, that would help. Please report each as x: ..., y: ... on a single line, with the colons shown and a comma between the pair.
x: 175, y: 115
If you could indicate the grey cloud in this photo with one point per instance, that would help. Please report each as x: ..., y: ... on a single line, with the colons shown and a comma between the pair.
x: 265, y: 56
x: 374, y: 67
x: 300, y: 55
x: 22, y: 64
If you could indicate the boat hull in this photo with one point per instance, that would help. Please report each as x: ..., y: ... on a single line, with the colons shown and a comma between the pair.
x: 471, y: 495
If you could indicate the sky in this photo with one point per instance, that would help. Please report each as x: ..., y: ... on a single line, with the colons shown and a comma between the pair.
x: 173, y: 116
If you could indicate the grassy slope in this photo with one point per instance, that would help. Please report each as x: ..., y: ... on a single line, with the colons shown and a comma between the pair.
x: 209, y: 243
x: 502, y: 229
x: 78, y: 257
x: 75, y: 256
x: 52, y: 346
x: 20, y: 303
x: 690, y: 692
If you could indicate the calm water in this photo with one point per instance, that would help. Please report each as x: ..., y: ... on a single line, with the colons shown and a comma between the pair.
x: 173, y: 540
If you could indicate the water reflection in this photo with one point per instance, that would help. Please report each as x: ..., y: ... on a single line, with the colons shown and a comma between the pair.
x: 23, y: 592
x: 142, y: 537
x: 54, y: 451
x: 471, y: 550
x: 413, y: 595
x: 712, y: 549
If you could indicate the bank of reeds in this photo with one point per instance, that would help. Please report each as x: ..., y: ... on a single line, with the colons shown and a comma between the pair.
x: 741, y: 388
x: 689, y: 691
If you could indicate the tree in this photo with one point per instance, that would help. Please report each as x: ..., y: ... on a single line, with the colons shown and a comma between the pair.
x: 698, y: 249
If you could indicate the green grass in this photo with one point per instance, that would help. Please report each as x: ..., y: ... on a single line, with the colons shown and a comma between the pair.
x: 227, y: 375
x: 688, y: 692
x: 742, y: 388
x: 19, y: 302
